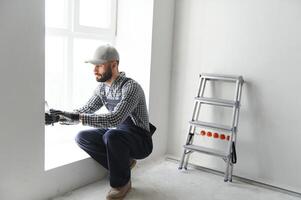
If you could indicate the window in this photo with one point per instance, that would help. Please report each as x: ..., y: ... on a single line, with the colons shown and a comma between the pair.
x: 74, y: 29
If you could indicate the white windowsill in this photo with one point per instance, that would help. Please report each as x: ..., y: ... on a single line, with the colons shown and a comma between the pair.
x: 60, y: 146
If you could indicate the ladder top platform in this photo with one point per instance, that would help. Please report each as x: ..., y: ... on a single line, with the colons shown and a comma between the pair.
x: 220, y: 77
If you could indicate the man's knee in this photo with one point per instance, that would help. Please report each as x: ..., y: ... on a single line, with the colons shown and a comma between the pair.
x: 82, y: 137
x: 111, y: 136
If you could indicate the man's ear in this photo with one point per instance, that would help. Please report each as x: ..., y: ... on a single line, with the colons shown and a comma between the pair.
x: 115, y: 64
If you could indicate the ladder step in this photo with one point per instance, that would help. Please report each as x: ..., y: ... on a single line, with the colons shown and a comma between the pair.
x: 211, y: 125
x: 206, y: 150
x: 222, y: 77
x: 216, y: 102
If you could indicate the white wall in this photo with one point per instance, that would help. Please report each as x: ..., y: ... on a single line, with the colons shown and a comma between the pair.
x: 160, y: 73
x: 22, y: 96
x: 259, y: 39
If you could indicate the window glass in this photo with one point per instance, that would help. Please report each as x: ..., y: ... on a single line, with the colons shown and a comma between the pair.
x: 55, y: 13
x: 84, y: 81
x: 55, y: 70
x: 95, y: 13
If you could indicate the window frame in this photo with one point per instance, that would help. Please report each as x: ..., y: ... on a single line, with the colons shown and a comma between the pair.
x: 71, y: 32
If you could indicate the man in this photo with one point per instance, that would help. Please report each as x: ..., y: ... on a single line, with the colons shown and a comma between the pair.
x: 119, y: 136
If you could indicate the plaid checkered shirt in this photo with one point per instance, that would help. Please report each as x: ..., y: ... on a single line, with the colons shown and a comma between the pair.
x: 125, y: 97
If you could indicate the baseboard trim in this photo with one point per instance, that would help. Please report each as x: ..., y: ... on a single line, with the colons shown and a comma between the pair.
x: 238, y: 178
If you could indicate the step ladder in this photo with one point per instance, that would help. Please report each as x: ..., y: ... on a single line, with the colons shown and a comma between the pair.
x: 229, y: 156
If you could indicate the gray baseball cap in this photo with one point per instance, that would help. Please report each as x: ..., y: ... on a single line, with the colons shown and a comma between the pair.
x: 104, y: 54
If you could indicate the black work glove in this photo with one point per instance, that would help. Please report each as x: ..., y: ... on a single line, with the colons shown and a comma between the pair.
x: 66, y: 118
x: 51, y: 118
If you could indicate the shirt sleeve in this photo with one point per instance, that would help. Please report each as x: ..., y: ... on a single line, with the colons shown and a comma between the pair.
x: 93, y: 104
x: 129, y: 100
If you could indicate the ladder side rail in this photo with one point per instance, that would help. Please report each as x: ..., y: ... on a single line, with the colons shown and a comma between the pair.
x: 230, y: 173
x: 191, y: 131
x: 228, y: 158
x: 236, y: 120
x: 200, y: 94
x: 189, y: 140
x: 197, y: 104
x: 239, y: 100
x: 186, y: 153
x: 182, y: 159
x: 233, y: 132
x: 201, y: 89
x: 194, y: 114
x: 238, y: 108
x: 189, y: 136
x: 236, y: 127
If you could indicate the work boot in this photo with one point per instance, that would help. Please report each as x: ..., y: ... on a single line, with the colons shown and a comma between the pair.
x: 120, y: 192
x: 133, y: 163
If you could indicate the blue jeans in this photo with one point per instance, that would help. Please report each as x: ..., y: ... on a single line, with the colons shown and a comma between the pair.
x: 114, y: 148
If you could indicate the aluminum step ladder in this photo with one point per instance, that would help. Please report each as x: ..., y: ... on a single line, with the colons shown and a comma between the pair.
x: 228, y: 155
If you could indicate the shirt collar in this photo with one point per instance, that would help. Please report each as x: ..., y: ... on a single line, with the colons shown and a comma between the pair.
x: 118, y: 79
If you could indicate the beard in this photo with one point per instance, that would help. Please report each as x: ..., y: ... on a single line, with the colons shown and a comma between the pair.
x: 105, y: 76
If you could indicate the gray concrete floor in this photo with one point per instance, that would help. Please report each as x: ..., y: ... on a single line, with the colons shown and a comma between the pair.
x: 162, y: 180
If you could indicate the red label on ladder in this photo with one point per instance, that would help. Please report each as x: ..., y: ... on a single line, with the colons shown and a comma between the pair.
x: 215, y: 135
